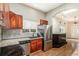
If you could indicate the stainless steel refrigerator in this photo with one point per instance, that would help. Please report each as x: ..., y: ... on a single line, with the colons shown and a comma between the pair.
x: 46, y: 32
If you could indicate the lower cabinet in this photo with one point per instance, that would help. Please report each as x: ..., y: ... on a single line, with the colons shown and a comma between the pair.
x: 39, y: 44
x: 36, y: 45
x: 33, y: 46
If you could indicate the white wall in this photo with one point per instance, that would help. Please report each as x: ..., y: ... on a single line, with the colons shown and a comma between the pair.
x: 62, y: 8
x: 27, y: 12
x: 75, y: 31
x: 72, y: 30
x: 50, y: 15
x: 56, y: 26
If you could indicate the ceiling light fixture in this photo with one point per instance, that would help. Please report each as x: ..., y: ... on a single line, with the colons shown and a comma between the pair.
x: 76, y: 20
x: 69, y: 11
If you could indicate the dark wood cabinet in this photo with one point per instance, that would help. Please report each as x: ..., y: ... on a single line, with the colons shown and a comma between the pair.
x: 1, y: 7
x: 33, y: 46
x: 39, y: 44
x: 1, y: 11
x: 12, y: 20
x: 4, y: 13
x: 9, y: 19
x: 43, y: 22
x: 36, y: 45
x: 19, y: 21
x: 4, y: 7
x: 58, y: 40
x: 13, y: 23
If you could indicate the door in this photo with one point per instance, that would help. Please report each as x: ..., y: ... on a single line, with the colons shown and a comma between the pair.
x: 4, y: 13
x: 75, y: 31
x: 13, y: 20
x: 72, y: 30
x: 1, y: 6
x: 39, y: 44
x: 43, y: 22
x: 33, y: 46
x: 1, y: 11
x: 19, y: 21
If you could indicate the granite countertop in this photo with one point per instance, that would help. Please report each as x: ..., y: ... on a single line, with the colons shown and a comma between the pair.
x: 9, y: 42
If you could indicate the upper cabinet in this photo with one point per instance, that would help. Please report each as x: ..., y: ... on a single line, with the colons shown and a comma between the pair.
x: 4, y: 9
x: 20, y: 21
x: 8, y: 19
x: 43, y: 22
x: 12, y: 20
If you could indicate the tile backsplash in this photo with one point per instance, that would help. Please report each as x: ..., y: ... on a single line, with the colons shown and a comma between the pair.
x: 10, y: 33
x: 15, y: 33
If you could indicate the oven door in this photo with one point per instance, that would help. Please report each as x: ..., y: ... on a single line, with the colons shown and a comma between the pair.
x: 26, y: 46
x: 14, y: 50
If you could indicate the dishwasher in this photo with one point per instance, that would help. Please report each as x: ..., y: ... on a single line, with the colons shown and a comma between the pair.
x: 26, y: 47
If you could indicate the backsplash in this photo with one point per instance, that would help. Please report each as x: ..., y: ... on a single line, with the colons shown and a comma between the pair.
x: 10, y: 33
x: 15, y: 33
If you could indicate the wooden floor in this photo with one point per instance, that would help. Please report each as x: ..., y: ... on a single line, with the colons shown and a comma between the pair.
x: 66, y: 50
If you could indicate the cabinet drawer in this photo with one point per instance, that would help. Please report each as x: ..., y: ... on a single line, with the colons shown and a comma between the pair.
x: 33, y: 41
x: 39, y: 41
x: 36, y: 45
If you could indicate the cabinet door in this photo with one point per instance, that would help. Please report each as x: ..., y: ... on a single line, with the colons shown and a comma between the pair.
x: 1, y: 6
x: 19, y: 21
x: 1, y: 10
x: 6, y: 20
x: 4, y: 11
x: 33, y: 46
x: 13, y: 21
x: 46, y: 22
x: 43, y: 22
x: 6, y: 7
x: 39, y: 44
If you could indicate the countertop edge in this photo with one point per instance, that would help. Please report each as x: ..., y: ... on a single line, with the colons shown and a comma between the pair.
x: 8, y: 42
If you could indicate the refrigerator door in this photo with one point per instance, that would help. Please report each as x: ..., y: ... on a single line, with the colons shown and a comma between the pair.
x: 48, y: 38
x: 41, y: 29
x: 48, y: 33
x: 45, y: 31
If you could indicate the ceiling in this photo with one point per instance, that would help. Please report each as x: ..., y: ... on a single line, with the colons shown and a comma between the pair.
x: 68, y: 15
x: 71, y: 16
x: 44, y: 7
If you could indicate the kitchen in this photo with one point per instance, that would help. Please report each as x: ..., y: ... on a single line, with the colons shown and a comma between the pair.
x: 30, y: 29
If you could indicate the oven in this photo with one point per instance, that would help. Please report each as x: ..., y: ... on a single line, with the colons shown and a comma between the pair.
x: 21, y: 49
x: 14, y: 50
